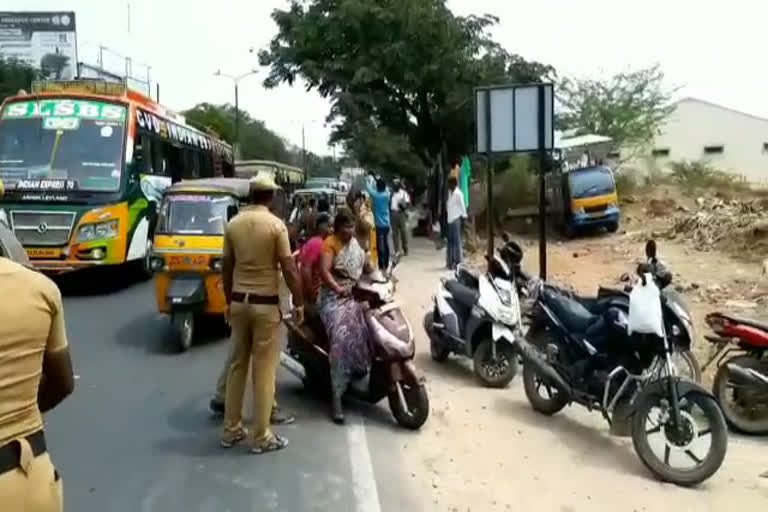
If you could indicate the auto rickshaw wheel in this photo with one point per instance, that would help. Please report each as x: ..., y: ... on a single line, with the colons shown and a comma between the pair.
x: 183, y: 328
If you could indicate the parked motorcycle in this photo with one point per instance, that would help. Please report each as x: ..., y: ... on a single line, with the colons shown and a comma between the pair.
x: 469, y: 311
x: 741, y: 381
x: 678, y: 321
x: 572, y: 355
x: 392, y: 375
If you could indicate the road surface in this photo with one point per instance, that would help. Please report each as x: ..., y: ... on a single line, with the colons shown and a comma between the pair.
x: 136, y: 435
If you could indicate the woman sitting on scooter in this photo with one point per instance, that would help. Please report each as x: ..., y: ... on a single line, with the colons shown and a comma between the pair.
x: 343, y: 263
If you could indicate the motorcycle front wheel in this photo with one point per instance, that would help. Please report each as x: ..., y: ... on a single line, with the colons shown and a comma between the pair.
x: 416, y: 410
x: 685, y: 455
x: 498, y: 372
x: 745, y: 406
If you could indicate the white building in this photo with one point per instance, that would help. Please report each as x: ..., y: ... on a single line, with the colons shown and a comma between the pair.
x: 697, y: 130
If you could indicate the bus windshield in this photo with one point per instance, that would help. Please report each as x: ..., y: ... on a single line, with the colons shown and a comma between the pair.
x: 591, y: 182
x: 194, y: 214
x: 79, y: 142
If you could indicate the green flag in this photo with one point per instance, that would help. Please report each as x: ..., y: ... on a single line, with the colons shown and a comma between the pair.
x: 464, y: 176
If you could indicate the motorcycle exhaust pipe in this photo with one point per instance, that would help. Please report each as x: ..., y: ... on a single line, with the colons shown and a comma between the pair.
x: 533, y: 357
x: 292, y: 365
x: 747, y: 375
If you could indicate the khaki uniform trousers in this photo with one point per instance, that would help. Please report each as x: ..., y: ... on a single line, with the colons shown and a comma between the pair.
x: 34, y: 487
x: 255, y: 331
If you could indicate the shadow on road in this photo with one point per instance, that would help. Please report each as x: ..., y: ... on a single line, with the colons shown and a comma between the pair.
x: 455, y: 367
x: 96, y: 281
x: 149, y: 331
x: 152, y: 332
x: 593, y: 447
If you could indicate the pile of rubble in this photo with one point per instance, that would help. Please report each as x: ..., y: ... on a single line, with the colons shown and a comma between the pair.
x: 718, y: 220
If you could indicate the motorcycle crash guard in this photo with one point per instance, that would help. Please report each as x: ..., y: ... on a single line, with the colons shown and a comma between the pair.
x: 684, y: 388
x: 186, y: 292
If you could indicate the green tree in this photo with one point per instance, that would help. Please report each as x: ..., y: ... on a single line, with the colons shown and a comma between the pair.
x: 404, y: 66
x: 628, y: 107
x: 15, y: 75
x: 53, y: 64
x: 256, y: 140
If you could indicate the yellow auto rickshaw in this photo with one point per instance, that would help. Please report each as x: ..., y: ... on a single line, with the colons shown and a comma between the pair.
x: 187, y: 253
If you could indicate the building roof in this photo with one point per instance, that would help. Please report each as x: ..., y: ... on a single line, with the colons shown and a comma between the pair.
x: 564, y: 142
x: 691, y: 99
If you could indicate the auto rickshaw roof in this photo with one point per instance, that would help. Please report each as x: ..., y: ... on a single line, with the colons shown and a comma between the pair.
x: 238, y: 187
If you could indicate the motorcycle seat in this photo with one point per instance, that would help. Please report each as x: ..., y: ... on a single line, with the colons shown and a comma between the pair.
x: 572, y: 313
x: 468, y: 277
x: 464, y: 295
x: 749, y: 322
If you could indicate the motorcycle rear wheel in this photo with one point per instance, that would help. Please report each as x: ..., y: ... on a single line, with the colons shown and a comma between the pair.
x: 416, y: 400
x: 735, y: 415
x: 705, y: 467
x: 533, y: 384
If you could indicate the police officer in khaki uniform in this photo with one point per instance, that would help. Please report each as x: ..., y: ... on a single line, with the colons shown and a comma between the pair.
x: 35, y: 376
x: 256, y: 248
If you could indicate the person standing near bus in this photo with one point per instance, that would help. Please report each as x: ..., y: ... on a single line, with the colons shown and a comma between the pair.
x: 35, y: 376
x: 256, y: 248
x: 381, y: 198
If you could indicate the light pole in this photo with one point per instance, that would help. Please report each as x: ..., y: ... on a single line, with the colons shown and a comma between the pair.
x: 236, y: 79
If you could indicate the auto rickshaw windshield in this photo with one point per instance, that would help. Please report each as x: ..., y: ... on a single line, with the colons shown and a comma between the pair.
x: 194, y: 214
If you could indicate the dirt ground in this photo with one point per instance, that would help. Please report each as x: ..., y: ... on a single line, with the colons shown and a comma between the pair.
x: 487, y: 450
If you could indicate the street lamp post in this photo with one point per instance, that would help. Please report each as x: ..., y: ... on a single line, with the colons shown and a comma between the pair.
x: 236, y: 80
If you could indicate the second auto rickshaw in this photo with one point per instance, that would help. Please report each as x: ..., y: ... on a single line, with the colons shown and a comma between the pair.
x: 188, y: 248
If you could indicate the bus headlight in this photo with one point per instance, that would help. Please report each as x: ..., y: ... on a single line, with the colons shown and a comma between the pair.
x: 579, y: 210
x: 99, y: 231
x: 217, y: 264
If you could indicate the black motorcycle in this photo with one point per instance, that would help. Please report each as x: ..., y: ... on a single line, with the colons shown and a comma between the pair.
x: 678, y: 321
x: 574, y: 354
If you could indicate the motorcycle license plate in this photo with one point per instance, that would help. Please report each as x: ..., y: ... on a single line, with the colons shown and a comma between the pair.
x: 499, y: 331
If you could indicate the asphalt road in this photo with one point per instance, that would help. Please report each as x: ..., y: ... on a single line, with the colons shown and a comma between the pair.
x: 137, y: 436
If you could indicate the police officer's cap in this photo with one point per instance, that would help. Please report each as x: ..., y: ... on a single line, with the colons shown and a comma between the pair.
x: 263, y: 183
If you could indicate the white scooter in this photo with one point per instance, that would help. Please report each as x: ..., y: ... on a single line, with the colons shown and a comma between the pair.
x: 480, y: 321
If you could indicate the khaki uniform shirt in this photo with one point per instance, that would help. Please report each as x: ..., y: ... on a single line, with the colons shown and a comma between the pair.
x: 31, y: 323
x: 257, y: 240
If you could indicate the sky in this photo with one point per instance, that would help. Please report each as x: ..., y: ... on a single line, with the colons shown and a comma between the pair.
x: 712, y: 50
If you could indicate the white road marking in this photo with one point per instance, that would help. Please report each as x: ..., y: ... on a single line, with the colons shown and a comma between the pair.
x: 363, y: 478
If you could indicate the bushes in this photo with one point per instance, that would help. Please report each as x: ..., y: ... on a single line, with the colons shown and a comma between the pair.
x: 516, y: 187
x: 695, y: 175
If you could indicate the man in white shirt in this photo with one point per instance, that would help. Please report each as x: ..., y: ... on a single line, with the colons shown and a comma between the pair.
x: 398, y: 208
x: 456, y: 211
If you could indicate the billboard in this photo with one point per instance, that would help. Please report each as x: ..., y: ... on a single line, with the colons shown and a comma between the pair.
x: 44, y: 40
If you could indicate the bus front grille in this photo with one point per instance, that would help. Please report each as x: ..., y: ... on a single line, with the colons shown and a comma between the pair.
x: 39, y: 228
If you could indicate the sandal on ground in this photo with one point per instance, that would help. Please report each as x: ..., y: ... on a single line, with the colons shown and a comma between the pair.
x: 273, y: 445
x: 228, y: 441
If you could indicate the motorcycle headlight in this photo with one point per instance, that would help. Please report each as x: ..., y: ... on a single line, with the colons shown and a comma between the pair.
x: 98, y: 231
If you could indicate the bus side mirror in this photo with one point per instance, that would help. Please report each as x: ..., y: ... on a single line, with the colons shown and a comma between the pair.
x: 231, y: 212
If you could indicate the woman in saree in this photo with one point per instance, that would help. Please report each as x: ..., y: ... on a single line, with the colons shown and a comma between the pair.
x: 344, y: 261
